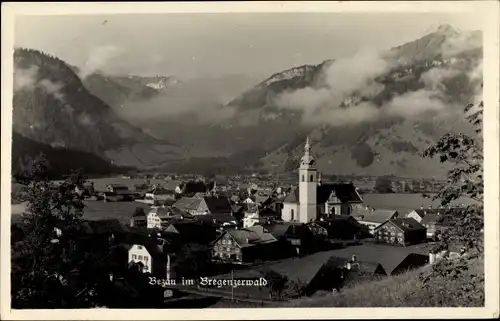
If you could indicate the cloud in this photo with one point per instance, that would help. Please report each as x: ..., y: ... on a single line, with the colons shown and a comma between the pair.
x: 28, y: 79
x: 25, y: 78
x: 462, y: 42
x: 351, y: 84
x: 52, y: 88
x: 98, y: 58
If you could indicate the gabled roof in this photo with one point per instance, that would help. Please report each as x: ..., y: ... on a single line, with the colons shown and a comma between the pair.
x: 378, y: 216
x: 218, y: 205
x: 345, y: 192
x: 422, y: 212
x: 405, y: 224
x: 161, y: 191
x: 388, y: 259
x: 280, y: 229
x: 249, y: 236
x: 171, y: 184
x: 187, y: 203
x: 293, y: 196
x: 193, y: 187
x: 434, y: 218
x: 104, y: 226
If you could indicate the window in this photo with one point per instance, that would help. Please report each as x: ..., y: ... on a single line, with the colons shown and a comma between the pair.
x: 139, y: 247
x: 311, y: 178
x: 292, y: 213
x: 140, y: 257
x: 134, y: 257
x: 303, y: 179
x: 146, y: 259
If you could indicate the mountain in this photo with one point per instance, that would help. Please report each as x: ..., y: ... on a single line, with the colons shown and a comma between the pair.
x: 52, y: 106
x: 62, y: 160
x: 373, y: 120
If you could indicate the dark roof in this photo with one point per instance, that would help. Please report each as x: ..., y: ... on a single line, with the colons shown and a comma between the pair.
x: 435, y: 218
x: 161, y: 191
x: 292, y: 196
x: 345, y: 192
x: 250, y: 236
x: 280, y: 229
x: 406, y: 224
x: 378, y: 216
x: 425, y: 211
x: 218, y: 204
x: 301, y: 270
x: 104, y: 226
x: 193, y: 187
x: 187, y: 203
x: 388, y: 256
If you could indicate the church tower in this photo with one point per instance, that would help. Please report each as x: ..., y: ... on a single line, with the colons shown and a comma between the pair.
x: 308, y: 184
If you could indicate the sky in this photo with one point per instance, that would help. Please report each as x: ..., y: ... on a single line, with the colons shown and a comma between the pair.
x: 216, y: 45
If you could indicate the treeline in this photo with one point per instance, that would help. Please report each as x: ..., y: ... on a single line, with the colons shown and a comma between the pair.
x: 62, y: 161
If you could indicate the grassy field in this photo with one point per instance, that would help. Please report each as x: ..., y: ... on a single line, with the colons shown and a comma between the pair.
x: 404, y: 202
x: 407, y: 290
x: 101, y: 183
x: 95, y: 210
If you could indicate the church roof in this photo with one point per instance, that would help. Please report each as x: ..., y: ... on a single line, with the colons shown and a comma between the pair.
x: 293, y: 196
x: 346, y: 193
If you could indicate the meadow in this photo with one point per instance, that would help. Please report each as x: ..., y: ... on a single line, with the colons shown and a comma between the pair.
x: 405, y: 202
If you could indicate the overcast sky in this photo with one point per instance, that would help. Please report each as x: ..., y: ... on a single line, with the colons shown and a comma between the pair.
x: 212, y: 45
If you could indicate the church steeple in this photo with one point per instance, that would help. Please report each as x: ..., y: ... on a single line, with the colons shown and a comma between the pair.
x: 308, y: 184
x: 307, y: 161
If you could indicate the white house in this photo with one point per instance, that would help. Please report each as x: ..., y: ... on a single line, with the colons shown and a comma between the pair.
x: 375, y: 218
x: 139, y: 253
x: 159, y: 194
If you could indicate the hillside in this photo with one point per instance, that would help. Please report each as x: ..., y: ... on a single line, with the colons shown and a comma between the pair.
x: 408, y: 290
x: 52, y: 106
x: 62, y: 160
x: 374, y: 121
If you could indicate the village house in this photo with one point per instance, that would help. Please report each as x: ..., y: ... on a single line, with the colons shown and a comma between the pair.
x: 435, y: 223
x: 337, y: 227
x: 117, y: 189
x: 182, y: 231
x: 313, y: 199
x: 400, y: 231
x: 374, y: 218
x: 419, y: 214
x: 296, y: 238
x: 393, y: 260
x: 190, y: 188
x: 159, y: 195
x: 151, y: 256
x: 204, y: 205
x: 243, y: 246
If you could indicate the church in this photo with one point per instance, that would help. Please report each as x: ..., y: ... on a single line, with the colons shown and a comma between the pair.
x: 313, y: 199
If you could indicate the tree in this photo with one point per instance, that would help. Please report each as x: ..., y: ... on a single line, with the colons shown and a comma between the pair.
x: 383, y: 185
x: 466, y: 223
x: 276, y: 283
x: 464, y: 179
x: 49, y: 267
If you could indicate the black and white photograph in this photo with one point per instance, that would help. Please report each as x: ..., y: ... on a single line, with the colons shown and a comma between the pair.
x: 200, y: 158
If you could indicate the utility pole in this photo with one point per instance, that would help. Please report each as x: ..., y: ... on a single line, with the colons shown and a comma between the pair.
x: 232, y: 287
